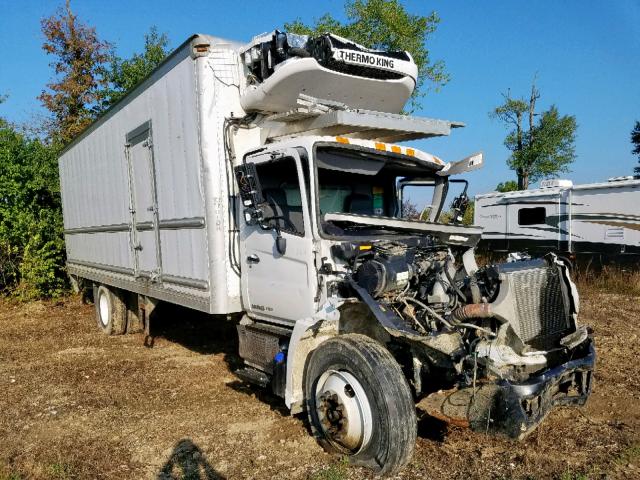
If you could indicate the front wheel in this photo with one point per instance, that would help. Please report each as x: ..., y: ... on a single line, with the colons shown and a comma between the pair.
x: 359, y: 403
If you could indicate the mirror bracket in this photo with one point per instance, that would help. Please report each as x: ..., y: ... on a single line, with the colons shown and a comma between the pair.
x: 281, y: 242
x: 250, y: 191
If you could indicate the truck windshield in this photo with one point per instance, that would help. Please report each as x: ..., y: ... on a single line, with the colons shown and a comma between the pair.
x: 357, y: 181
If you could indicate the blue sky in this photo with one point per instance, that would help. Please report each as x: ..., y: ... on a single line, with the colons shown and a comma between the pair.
x: 586, y: 55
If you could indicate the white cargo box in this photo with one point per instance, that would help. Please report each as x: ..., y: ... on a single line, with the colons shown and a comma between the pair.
x: 144, y: 190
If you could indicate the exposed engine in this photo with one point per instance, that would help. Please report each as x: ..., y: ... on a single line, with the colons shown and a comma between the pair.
x: 510, y: 320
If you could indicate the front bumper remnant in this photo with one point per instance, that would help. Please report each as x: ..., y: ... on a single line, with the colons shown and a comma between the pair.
x: 515, y: 409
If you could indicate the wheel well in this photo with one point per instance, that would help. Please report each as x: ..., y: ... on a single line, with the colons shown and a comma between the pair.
x: 356, y: 317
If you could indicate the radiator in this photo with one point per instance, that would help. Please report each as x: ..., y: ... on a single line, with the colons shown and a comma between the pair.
x: 542, y: 318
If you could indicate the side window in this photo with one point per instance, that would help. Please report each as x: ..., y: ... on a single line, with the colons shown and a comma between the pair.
x: 417, y: 202
x: 281, y: 190
x: 532, y: 216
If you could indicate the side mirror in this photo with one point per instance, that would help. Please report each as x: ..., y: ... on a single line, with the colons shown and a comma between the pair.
x: 460, y: 205
x: 250, y: 192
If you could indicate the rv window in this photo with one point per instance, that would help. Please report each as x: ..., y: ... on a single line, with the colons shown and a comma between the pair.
x: 532, y: 216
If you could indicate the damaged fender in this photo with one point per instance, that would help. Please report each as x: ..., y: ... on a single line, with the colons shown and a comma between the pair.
x: 307, y: 334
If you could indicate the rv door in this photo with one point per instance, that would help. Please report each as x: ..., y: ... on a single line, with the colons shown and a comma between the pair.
x: 565, y: 221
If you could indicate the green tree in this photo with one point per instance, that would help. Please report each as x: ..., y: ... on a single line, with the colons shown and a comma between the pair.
x: 79, y: 65
x: 31, y: 244
x: 124, y: 75
x: 508, y: 186
x: 386, y: 24
x: 468, y: 216
x: 410, y: 210
x: 545, y: 148
x: 635, y: 141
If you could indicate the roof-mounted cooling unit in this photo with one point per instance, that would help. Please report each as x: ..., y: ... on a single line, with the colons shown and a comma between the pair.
x: 280, y: 66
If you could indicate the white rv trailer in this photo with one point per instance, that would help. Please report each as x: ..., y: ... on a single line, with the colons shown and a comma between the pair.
x: 222, y: 183
x: 600, y: 220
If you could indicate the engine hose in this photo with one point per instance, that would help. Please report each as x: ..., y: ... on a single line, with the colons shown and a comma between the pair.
x: 476, y: 327
x: 462, y: 296
x: 472, y: 310
x: 429, y: 310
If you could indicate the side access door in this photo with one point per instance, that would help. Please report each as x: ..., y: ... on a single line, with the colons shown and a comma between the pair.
x: 145, y: 234
x: 278, y: 284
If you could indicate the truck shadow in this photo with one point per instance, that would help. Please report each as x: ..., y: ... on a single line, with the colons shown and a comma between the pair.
x: 187, y: 462
x: 431, y: 428
x: 197, y: 331
x: 209, y: 334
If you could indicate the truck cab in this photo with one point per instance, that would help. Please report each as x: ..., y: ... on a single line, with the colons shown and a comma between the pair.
x: 328, y: 254
x: 320, y: 193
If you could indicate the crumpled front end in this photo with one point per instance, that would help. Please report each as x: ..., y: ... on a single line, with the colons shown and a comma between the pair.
x: 539, y: 357
x: 494, y: 348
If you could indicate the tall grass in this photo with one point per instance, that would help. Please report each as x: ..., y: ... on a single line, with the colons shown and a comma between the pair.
x: 610, y: 279
x: 624, y: 280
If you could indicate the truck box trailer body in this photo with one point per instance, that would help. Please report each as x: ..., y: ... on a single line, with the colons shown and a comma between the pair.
x: 257, y: 182
x: 596, y: 220
x: 143, y: 188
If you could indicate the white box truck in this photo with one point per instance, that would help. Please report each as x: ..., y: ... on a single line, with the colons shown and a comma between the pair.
x: 263, y: 183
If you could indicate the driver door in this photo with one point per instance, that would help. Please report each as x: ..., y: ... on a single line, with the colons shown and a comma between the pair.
x: 279, y: 286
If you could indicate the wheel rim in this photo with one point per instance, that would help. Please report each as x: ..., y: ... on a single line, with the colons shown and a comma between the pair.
x: 343, y: 410
x: 104, y: 309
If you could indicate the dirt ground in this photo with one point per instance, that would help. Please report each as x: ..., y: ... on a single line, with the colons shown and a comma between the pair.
x: 77, y: 404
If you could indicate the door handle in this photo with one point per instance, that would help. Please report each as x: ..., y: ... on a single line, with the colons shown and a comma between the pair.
x: 253, y: 258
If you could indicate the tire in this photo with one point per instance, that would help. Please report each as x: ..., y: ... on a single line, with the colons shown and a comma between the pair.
x: 355, y: 377
x: 111, y: 310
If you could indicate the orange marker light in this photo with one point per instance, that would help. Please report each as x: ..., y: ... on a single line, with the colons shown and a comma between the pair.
x: 381, y: 146
x: 342, y: 140
x: 395, y: 149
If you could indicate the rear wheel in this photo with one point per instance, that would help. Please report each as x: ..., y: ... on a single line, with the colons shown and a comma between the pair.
x: 111, y: 310
x: 359, y: 403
